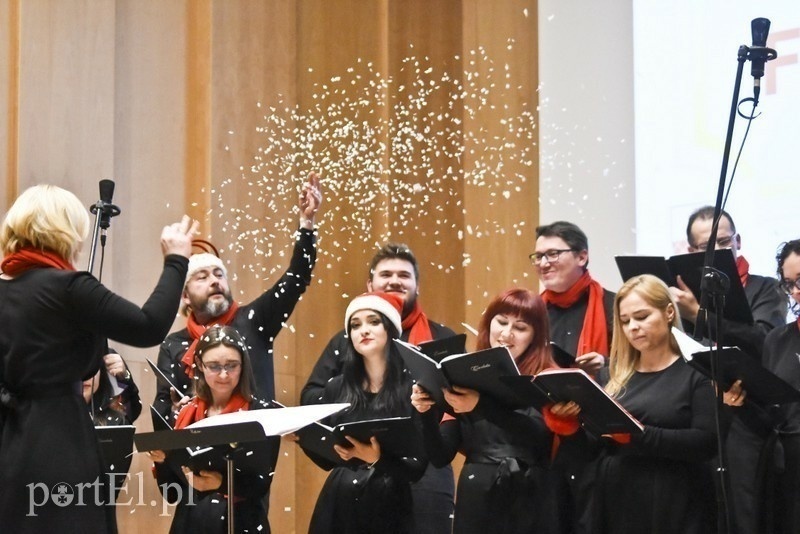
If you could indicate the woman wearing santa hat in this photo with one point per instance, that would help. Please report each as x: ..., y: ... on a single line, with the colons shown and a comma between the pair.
x: 374, y: 495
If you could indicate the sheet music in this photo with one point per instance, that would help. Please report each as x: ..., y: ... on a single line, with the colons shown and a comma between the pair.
x: 277, y: 421
x: 687, y: 344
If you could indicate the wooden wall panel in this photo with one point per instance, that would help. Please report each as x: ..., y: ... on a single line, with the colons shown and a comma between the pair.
x: 9, y: 96
x: 500, y: 260
x: 167, y: 99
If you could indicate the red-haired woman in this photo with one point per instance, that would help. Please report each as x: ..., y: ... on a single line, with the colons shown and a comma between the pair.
x: 500, y: 489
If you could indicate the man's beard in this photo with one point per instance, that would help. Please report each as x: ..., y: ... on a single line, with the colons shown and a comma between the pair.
x: 408, y: 305
x: 216, y: 308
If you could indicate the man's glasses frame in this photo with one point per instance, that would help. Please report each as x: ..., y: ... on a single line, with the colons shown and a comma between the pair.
x: 552, y: 255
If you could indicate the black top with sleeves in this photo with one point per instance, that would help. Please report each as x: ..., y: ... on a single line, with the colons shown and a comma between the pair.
x: 501, y: 486
x: 55, y: 325
x: 259, y: 322
x: 361, y: 499
x: 566, y: 323
x: 660, y: 481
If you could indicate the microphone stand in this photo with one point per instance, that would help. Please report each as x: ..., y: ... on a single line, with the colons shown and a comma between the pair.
x: 714, y: 286
x: 103, y: 211
x: 97, y: 209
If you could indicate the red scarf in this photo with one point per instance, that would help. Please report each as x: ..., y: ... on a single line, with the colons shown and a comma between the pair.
x: 196, y: 330
x: 198, y: 409
x: 417, y: 326
x: 594, y: 333
x: 743, y: 269
x: 31, y: 258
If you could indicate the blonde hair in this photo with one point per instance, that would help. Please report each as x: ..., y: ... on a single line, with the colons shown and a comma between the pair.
x: 624, y: 357
x: 45, y: 217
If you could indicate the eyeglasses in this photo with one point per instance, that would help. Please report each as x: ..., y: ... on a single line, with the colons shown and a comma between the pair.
x: 722, y: 242
x: 790, y: 285
x: 215, y: 368
x: 552, y: 255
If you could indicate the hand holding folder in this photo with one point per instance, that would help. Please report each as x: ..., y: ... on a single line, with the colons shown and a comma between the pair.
x: 690, y: 268
x: 479, y: 370
x: 600, y: 413
x: 396, y: 436
x: 762, y: 386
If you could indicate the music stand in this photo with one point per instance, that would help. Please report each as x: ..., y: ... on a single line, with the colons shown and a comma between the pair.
x: 235, y: 428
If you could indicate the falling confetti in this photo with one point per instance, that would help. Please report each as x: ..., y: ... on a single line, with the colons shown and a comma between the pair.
x: 390, y: 152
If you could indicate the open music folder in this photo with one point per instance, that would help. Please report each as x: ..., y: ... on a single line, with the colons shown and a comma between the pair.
x: 396, y: 435
x: 762, y: 386
x: 600, y: 413
x: 690, y: 268
x: 479, y: 370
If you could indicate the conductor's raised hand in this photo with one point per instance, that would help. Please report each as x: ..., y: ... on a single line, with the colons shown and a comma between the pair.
x: 310, y: 201
x: 176, y: 238
x: 420, y: 399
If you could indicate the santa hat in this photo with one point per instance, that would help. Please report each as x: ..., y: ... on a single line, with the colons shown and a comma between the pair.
x: 388, y: 304
x: 203, y: 261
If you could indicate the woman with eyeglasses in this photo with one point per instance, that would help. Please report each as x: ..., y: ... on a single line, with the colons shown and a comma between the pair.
x: 502, y: 487
x: 225, y: 384
x: 781, y: 350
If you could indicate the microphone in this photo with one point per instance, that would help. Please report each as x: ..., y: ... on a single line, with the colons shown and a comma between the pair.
x: 759, y: 53
x: 106, y: 194
x: 104, y: 208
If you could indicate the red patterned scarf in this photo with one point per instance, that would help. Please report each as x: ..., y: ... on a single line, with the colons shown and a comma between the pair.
x: 594, y: 333
x: 196, y: 330
x: 31, y: 258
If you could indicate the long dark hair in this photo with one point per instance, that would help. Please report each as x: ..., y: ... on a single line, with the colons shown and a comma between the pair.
x: 224, y: 335
x: 393, y: 395
x: 531, y: 308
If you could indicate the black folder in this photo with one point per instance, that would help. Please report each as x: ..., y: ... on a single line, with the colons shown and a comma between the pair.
x: 561, y: 356
x: 438, y: 349
x: 479, y: 370
x: 600, y: 413
x: 116, y: 446
x: 396, y: 435
x: 762, y: 386
x: 690, y: 268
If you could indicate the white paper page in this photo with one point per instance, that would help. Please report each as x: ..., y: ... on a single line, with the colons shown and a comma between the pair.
x: 277, y: 421
x: 687, y: 344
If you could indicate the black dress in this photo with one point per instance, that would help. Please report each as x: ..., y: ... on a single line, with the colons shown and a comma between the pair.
x: 54, y: 325
x: 501, y: 488
x: 433, y: 494
x: 782, y: 357
x: 661, y: 483
x: 356, y: 499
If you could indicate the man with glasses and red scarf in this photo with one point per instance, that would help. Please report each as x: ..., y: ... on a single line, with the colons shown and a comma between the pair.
x: 768, y: 304
x: 579, y: 309
x: 581, y: 312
